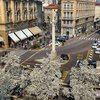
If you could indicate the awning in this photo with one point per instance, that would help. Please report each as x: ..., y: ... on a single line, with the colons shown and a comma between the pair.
x: 27, y: 32
x: 21, y: 35
x: 1, y: 39
x: 35, y: 30
x: 14, y: 37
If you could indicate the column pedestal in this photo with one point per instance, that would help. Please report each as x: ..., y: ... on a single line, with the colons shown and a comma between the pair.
x: 53, y: 55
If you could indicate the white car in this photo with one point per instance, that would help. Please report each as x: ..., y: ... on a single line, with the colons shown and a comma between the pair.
x: 97, y: 51
x: 98, y: 41
x: 57, y: 43
x: 95, y: 45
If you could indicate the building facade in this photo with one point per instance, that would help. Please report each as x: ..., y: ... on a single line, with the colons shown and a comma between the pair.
x: 16, y: 15
x: 48, y: 11
x: 97, y: 15
x: 77, y: 16
x: 97, y: 11
x: 50, y: 1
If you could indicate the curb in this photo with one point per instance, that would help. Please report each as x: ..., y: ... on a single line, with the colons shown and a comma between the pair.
x: 90, y: 54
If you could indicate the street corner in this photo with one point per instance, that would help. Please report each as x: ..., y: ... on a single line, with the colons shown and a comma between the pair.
x: 67, y: 60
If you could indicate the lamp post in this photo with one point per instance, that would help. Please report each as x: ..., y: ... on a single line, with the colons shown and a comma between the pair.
x: 53, y: 52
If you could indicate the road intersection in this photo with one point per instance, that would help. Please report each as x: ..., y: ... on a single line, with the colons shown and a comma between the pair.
x: 73, y: 47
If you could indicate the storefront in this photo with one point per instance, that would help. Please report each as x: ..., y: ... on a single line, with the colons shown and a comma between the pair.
x: 26, y: 37
x: 35, y: 30
x: 19, y: 38
x: 1, y: 42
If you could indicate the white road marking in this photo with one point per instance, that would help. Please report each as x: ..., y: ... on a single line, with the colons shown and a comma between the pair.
x: 32, y: 56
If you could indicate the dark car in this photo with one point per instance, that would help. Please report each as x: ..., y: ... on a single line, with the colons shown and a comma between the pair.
x: 64, y: 56
x: 61, y: 39
x: 93, y: 63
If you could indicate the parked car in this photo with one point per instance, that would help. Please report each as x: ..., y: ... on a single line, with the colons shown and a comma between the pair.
x: 61, y: 39
x: 65, y: 36
x: 65, y: 56
x: 95, y: 44
x: 57, y: 43
x: 97, y: 51
x: 93, y: 63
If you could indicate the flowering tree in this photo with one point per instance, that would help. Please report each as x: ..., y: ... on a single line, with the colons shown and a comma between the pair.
x: 83, y: 82
x: 45, y: 80
x: 11, y: 74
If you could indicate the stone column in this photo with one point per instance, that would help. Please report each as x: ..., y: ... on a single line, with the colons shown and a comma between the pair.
x: 53, y: 52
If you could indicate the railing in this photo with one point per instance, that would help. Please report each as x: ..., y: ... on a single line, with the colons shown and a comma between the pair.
x: 67, y: 18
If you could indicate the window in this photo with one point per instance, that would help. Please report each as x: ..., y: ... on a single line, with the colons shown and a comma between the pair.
x: 64, y: 22
x: 68, y: 6
x: 71, y: 22
x: 71, y: 14
x: 65, y: 6
x: 65, y: 14
x: 16, y: 4
x: 68, y: 22
x: 6, y: 5
x: 68, y: 14
x: 71, y: 5
x: 24, y: 11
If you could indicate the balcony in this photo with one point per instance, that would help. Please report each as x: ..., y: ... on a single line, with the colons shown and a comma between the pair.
x: 68, y: 9
x: 67, y: 25
x: 67, y: 18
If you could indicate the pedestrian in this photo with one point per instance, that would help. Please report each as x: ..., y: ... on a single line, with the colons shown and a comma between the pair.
x: 62, y: 43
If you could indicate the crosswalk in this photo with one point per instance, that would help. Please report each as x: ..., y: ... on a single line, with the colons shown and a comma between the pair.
x: 91, y: 37
x: 90, y: 55
x: 85, y: 38
x: 20, y: 52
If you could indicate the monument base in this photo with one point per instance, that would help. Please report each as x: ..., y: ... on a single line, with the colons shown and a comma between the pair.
x: 53, y: 55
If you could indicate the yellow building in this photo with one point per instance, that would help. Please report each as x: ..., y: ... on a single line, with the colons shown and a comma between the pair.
x: 14, y: 16
x: 97, y: 15
x: 77, y: 16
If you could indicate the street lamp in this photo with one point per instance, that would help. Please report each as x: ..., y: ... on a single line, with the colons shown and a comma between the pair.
x: 53, y: 52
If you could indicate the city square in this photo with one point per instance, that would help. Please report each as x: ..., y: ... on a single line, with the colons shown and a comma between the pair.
x: 50, y: 50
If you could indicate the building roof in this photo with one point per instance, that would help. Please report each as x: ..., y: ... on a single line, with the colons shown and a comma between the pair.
x: 97, y: 3
x: 52, y: 6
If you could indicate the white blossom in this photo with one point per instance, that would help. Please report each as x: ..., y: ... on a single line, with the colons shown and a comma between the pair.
x: 45, y: 81
x: 10, y: 73
x: 83, y: 82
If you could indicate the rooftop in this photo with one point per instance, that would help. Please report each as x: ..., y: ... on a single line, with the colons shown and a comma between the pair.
x: 52, y: 6
x: 97, y: 3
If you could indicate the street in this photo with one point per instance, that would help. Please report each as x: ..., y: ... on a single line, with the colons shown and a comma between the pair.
x: 73, y: 46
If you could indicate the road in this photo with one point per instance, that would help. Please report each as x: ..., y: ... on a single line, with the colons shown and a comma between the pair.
x: 74, y: 46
